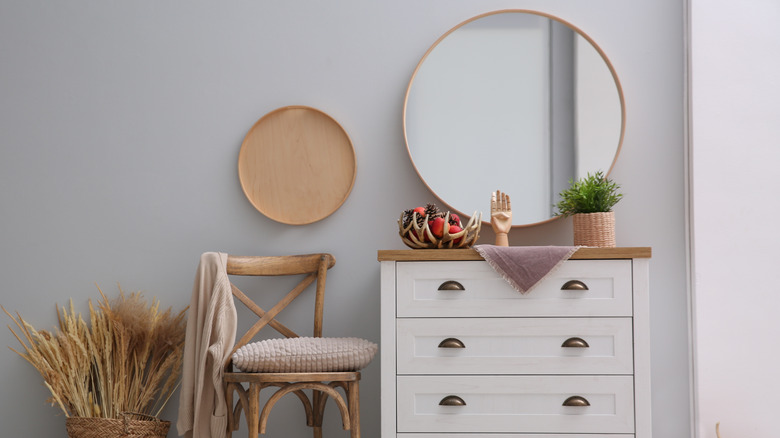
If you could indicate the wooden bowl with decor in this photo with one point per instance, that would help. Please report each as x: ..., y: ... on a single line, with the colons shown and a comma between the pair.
x: 428, y: 228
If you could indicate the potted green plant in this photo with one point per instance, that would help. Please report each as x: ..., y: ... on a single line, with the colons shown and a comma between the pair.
x: 112, y: 374
x: 589, y: 201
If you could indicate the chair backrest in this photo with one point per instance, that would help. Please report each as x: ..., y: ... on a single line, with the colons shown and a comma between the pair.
x: 314, y: 265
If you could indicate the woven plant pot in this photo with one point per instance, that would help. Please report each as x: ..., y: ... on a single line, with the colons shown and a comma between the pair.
x: 127, y: 427
x: 594, y: 229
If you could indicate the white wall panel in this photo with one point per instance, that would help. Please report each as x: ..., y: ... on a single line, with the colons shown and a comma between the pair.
x: 736, y: 148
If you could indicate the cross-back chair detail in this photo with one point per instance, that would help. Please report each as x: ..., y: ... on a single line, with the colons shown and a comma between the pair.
x: 322, y: 384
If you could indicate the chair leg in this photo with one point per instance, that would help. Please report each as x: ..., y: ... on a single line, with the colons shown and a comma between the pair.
x: 317, y: 399
x: 252, y: 412
x: 353, y: 396
x: 229, y: 402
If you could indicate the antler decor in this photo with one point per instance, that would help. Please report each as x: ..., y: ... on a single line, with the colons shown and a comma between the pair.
x: 417, y: 231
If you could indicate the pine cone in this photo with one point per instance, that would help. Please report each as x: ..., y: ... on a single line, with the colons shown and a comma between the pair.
x: 420, y: 220
x: 407, y: 217
x: 432, y: 211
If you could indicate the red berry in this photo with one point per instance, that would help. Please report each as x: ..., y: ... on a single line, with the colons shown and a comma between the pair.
x: 438, y: 226
x: 454, y: 229
x: 420, y: 235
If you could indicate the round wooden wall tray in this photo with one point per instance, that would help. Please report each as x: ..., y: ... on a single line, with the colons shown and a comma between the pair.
x: 297, y: 165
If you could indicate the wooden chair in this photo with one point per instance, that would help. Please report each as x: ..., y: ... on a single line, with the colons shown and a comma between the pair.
x: 322, y: 384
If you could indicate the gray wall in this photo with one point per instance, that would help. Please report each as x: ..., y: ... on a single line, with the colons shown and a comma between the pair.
x: 120, y: 125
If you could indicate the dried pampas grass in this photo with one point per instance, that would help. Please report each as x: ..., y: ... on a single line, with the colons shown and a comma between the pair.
x: 127, y: 359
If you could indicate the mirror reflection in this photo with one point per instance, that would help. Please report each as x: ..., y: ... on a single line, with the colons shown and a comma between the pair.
x: 512, y: 100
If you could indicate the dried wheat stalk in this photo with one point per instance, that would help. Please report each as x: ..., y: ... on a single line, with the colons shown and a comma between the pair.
x: 128, y: 359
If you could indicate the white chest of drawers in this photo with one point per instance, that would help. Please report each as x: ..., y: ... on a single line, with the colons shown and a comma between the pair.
x: 464, y: 353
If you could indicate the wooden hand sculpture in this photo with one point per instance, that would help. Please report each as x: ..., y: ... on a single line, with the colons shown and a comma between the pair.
x: 501, y: 217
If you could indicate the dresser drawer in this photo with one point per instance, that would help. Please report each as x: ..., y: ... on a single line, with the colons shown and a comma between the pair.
x: 478, y: 291
x: 507, y: 404
x: 514, y: 346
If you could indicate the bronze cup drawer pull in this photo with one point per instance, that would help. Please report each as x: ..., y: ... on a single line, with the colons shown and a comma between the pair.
x: 575, y: 342
x: 452, y: 400
x: 452, y: 343
x: 451, y: 285
x: 574, y: 285
x: 576, y: 401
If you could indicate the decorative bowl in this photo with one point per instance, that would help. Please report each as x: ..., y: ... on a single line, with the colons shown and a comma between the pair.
x: 417, y: 233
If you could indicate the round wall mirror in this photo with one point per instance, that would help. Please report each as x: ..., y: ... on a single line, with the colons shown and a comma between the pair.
x: 517, y: 101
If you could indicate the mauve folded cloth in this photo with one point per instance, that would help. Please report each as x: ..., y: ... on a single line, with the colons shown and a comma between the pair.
x: 525, y: 266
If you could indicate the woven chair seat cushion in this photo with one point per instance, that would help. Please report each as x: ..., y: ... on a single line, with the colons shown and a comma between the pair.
x: 305, y: 355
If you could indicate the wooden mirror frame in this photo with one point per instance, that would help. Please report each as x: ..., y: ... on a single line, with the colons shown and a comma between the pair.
x: 574, y: 28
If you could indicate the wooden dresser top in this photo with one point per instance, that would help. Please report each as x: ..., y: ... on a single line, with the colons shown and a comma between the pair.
x: 470, y: 254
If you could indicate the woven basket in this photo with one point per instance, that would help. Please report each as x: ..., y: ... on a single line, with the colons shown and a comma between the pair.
x: 127, y: 427
x: 594, y: 229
